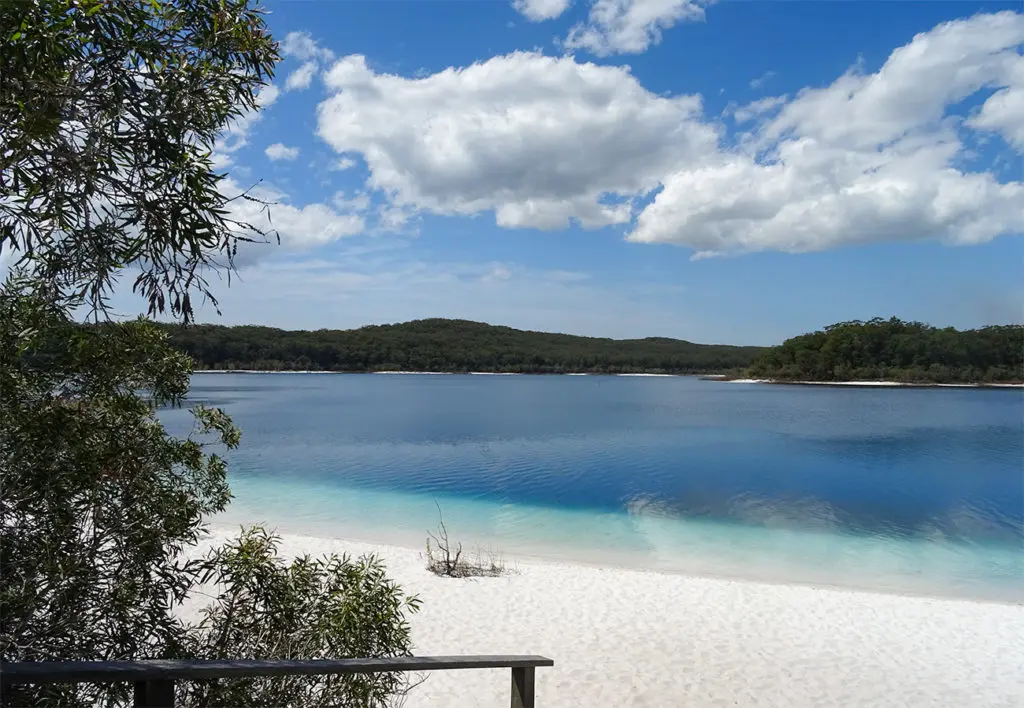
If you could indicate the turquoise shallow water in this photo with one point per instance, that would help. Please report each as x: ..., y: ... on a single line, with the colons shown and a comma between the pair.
x: 906, y: 490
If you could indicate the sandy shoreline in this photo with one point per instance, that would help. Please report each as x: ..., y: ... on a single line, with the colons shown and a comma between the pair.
x: 632, y: 638
x: 862, y: 384
x: 703, y: 377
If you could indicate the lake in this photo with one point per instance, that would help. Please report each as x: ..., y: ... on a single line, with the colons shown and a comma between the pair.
x: 908, y: 490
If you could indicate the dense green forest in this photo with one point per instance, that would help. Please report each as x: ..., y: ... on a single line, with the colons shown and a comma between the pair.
x: 447, y: 345
x: 894, y: 350
x: 848, y: 351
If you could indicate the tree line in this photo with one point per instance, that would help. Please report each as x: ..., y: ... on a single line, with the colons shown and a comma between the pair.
x: 448, y: 346
x: 895, y: 350
x: 878, y: 349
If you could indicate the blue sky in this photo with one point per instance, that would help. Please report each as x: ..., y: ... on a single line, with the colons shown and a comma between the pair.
x: 734, y: 172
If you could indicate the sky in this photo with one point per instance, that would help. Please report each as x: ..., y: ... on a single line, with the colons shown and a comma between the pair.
x: 733, y: 172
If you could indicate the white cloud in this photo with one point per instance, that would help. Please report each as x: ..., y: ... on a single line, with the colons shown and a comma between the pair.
x: 497, y: 272
x: 630, y: 26
x: 270, y: 211
x: 8, y: 256
x: 345, y: 163
x: 358, y: 202
x: 303, y: 47
x: 236, y: 136
x: 540, y: 10
x: 280, y: 151
x: 756, y: 109
x: 868, y: 158
x: 220, y: 160
x: 544, y: 141
x: 538, y: 140
x: 1003, y: 112
x: 299, y: 227
x: 394, y: 218
x: 914, y: 87
x: 761, y: 80
x: 302, y: 77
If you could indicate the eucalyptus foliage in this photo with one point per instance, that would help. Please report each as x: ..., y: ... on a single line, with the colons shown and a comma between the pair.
x: 109, y: 111
x: 98, y: 501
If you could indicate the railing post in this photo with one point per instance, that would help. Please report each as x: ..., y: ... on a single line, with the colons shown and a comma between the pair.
x: 523, y: 678
x: 154, y: 694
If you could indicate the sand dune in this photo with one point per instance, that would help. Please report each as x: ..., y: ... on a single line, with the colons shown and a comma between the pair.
x: 629, y: 638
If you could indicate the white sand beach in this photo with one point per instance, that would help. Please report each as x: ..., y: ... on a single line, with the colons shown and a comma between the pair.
x: 663, y: 376
x: 415, y: 373
x: 628, y: 638
x: 864, y: 384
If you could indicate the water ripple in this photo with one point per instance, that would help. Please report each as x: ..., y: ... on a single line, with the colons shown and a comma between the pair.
x: 916, y: 483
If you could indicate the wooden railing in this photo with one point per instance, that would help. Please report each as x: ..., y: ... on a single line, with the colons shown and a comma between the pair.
x: 154, y: 679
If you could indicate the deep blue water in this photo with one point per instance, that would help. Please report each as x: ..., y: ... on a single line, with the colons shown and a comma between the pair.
x: 906, y: 489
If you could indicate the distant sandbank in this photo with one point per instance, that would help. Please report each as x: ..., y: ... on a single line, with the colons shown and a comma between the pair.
x: 862, y: 384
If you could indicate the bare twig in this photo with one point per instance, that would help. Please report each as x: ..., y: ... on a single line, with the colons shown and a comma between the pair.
x: 447, y: 560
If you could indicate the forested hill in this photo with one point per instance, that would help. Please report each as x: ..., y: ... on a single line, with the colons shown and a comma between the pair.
x: 447, y: 345
x: 894, y: 350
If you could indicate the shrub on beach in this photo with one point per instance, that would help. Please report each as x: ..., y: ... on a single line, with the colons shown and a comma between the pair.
x: 313, y: 608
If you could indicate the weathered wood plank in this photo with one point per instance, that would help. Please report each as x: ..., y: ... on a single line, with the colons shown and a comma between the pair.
x: 154, y: 694
x: 157, y: 669
x: 523, y: 686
